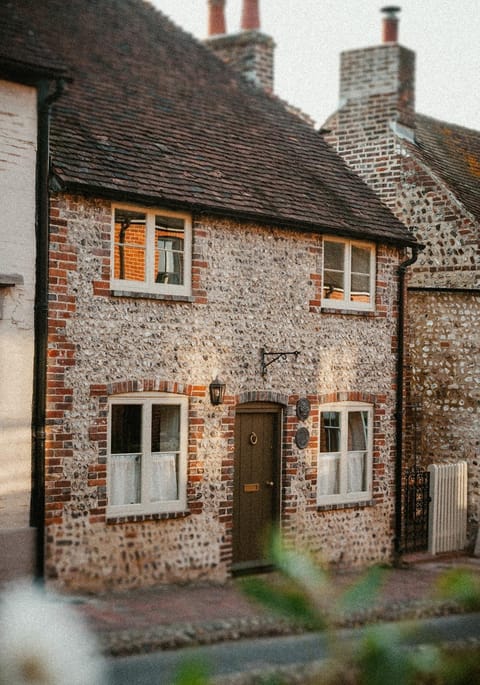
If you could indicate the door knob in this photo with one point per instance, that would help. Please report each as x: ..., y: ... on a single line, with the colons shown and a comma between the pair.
x: 269, y: 483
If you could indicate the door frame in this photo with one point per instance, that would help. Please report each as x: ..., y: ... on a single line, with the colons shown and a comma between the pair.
x: 277, y: 410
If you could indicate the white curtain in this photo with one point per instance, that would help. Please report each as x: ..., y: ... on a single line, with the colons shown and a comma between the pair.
x: 328, y: 482
x: 356, y: 472
x: 163, y: 486
x: 124, y: 479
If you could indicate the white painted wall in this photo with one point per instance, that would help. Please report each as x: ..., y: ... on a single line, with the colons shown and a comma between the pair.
x: 18, y: 147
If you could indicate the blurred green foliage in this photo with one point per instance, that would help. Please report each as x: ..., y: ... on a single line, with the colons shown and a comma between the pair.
x: 462, y: 587
x: 303, y: 592
x: 192, y: 673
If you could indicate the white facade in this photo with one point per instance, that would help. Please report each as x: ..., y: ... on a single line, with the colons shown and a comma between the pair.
x: 18, y: 148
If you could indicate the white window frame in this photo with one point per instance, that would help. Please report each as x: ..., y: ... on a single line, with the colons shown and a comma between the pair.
x: 149, y: 285
x: 345, y: 303
x: 344, y: 497
x: 145, y: 506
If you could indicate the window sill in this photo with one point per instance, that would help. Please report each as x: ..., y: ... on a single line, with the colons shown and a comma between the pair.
x: 369, y: 313
x: 152, y: 296
x: 141, y: 518
x: 346, y: 505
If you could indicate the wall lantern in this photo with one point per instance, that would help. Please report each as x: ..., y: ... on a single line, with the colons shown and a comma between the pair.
x: 217, y: 391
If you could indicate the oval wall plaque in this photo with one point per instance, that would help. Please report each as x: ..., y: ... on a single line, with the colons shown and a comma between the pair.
x: 303, y: 408
x: 302, y: 436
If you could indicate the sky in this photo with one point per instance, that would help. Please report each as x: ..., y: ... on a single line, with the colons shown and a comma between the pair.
x: 311, y: 34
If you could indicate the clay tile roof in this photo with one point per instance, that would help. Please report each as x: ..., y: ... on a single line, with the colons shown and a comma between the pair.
x: 453, y: 153
x: 21, y: 50
x: 153, y: 116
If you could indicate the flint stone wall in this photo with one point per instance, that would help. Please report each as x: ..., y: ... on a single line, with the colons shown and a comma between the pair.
x: 254, y: 287
x: 444, y: 350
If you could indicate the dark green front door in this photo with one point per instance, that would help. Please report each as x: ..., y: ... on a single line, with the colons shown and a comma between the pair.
x: 256, y: 485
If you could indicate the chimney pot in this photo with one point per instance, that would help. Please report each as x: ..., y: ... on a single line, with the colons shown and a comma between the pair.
x: 390, y: 24
x: 250, y: 15
x: 216, y: 17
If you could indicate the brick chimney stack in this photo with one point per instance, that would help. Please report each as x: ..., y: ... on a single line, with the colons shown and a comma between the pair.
x: 390, y: 24
x: 377, y: 108
x: 250, y: 15
x: 249, y: 52
x: 216, y: 17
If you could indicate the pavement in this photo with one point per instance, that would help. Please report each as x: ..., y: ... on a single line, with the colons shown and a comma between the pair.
x: 172, y: 617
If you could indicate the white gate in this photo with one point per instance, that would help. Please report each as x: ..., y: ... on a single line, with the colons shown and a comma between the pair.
x: 447, y: 530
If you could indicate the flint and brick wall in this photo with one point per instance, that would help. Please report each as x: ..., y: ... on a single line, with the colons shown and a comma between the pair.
x: 444, y: 340
x: 254, y: 287
x: 443, y: 305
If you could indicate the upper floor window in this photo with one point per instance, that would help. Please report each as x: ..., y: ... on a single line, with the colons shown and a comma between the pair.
x: 151, y: 251
x: 345, y: 456
x: 147, y: 448
x: 348, y: 274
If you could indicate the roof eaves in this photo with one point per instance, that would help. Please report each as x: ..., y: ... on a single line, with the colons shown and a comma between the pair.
x: 63, y: 185
x: 29, y: 72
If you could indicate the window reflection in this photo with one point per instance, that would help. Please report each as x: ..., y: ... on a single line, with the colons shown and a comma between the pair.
x: 169, y: 242
x: 130, y: 245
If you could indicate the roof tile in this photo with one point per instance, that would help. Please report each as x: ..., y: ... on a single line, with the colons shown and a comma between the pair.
x: 152, y: 114
x: 453, y: 152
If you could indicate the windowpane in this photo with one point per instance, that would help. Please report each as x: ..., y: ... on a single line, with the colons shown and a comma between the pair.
x: 360, y: 260
x: 357, y: 430
x: 165, y: 428
x: 356, y: 476
x: 333, y: 285
x: 328, y: 478
x: 333, y: 271
x: 130, y: 245
x: 124, y: 479
x: 165, y: 447
x: 126, y: 430
x: 169, y: 250
x: 334, y: 255
x: 330, y: 431
x: 360, y: 288
x: 164, y: 483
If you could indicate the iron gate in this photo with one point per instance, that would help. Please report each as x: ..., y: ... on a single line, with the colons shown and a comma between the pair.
x: 416, y: 492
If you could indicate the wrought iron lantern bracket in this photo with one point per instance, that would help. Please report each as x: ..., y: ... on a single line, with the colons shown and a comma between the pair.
x: 271, y: 357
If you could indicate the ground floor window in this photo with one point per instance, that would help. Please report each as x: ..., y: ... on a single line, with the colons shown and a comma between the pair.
x: 345, y: 456
x: 147, y: 447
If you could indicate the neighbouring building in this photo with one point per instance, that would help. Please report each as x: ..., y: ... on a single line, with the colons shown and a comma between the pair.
x: 428, y: 173
x: 23, y: 76
x: 222, y: 320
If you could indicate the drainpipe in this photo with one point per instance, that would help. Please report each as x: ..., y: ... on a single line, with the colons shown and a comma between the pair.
x: 399, y: 401
x: 37, y: 509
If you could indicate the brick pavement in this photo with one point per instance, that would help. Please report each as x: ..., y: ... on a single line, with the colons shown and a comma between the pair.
x: 176, y: 616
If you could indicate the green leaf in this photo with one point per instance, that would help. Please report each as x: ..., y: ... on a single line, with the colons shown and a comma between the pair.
x: 297, y: 566
x: 462, y: 586
x: 382, y: 659
x: 192, y: 673
x: 285, y: 599
x: 363, y: 594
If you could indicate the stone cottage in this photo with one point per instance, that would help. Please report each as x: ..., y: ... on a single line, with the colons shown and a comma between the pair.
x: 428, y: 173
x: 222, y: 321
